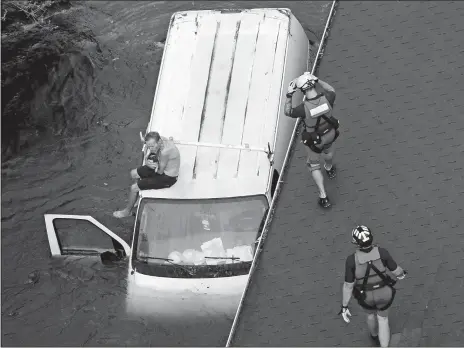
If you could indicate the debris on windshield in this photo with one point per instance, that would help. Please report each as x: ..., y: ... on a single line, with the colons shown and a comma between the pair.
x: 176, y: 257
x: 214, y: 249
x: 189, y: 257
x: 192, y: 256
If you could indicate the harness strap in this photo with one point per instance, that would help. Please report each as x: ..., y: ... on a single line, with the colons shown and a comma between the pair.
x: 304, y: 123
x: 332, y: 125
x: 366, y: 276
x: 375, y: 286
x: 382, y: 275
x: 316, y: 127
x: 318, y: 122
x: 387, y: 281
x: 329, y: 121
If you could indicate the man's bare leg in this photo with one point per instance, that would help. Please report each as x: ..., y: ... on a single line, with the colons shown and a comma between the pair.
x: 134, y: 192
x: 134, y: 175
x: 123, y: 213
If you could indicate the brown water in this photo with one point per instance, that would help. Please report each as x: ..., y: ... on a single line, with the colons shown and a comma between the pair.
x: 70, y: 302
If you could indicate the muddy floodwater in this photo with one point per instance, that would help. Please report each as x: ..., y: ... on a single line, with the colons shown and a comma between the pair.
x: 78, y: 301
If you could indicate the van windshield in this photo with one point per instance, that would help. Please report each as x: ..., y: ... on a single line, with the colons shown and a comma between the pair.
x: 198, y: 238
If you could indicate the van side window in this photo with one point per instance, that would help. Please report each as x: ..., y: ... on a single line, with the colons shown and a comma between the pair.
x: 275, y: 180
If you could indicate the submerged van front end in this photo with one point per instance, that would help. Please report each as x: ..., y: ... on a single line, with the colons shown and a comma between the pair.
x: 193, y: 253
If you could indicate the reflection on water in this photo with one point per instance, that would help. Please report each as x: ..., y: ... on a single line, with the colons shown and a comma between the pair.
x: 79, y: 301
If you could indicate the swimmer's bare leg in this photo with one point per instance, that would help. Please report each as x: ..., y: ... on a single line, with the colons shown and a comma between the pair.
x: 329, y: 167
x: 133, y: 194
x: 373, y: 327
x: 316, y: 173
x: 372, y: 324
x: 318, y: 179
x: 384, y: 329
x: 314, y: 166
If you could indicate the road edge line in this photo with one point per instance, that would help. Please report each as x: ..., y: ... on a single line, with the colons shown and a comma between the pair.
x: 319, y: 55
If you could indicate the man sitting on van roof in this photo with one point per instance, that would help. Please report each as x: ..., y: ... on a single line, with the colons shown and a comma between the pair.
x: 162, y: 163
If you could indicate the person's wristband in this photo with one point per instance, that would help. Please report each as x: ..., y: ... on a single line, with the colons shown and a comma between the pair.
x: 289, y: 95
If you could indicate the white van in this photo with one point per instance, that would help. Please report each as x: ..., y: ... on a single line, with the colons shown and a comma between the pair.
x: 220, y: 96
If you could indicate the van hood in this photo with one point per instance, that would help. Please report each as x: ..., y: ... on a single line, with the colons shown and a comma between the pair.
x: 180, y: 298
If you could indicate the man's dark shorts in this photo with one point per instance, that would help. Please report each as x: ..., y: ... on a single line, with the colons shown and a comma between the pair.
x: 151, y: 180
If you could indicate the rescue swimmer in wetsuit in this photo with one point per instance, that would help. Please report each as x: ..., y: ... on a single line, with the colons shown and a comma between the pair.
x: 366, y: 279
x: 323, y: 132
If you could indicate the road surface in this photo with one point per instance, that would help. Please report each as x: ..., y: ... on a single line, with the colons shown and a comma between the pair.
x: 398, y: 70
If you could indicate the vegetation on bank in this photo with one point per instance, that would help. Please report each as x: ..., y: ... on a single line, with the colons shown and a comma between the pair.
x: 35, y: 36
x: 17, y: 13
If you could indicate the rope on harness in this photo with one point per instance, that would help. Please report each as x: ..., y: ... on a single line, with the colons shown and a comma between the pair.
x: 330, y: 120
x: 311, y: 139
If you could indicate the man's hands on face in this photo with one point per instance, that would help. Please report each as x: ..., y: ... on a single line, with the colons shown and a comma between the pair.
x: 151, y: 164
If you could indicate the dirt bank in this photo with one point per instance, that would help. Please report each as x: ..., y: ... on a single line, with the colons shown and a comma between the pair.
x: 47, y: 73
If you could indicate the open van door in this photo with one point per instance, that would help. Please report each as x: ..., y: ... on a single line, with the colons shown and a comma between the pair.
x: 82, y: 236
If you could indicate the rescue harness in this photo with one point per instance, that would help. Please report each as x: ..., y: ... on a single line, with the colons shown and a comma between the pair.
x: 311, y: 139
x: 359, y: 291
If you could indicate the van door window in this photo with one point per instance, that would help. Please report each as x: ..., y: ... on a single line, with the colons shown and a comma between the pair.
x: 81, y: 235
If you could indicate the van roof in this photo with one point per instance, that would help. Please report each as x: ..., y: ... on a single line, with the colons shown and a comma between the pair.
x: 221, y: 83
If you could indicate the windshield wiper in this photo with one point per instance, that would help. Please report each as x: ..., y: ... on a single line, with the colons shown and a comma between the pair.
x: 167, y: 260
x: 222, y: 258
x: 81, y: 252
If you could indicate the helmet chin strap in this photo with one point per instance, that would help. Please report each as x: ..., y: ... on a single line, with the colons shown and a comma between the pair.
x: 366, y: 248
x: 310, y: 93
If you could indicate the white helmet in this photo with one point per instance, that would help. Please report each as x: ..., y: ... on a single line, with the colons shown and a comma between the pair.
x: 305, y: 81
x: 362, y: 236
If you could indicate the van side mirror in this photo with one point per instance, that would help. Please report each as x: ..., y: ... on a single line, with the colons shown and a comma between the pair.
x: 109, y: 258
